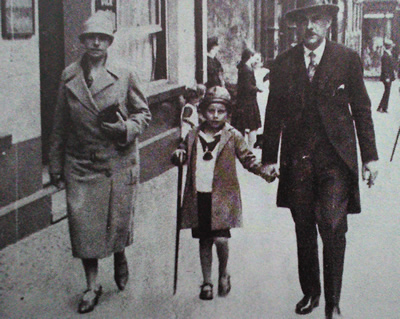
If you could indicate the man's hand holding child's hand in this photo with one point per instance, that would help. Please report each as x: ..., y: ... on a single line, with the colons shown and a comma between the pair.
x: 270, y: 172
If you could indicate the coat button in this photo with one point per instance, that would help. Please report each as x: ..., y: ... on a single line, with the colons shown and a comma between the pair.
x: 107, y: 173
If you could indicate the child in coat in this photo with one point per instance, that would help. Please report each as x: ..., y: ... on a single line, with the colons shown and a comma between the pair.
x: 211, y: 201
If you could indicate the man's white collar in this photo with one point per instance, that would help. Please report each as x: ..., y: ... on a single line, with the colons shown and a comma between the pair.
x: 318, y: 52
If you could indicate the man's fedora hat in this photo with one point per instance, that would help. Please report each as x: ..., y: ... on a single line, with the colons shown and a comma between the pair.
x: 304, y: 6
x: 101, y: 23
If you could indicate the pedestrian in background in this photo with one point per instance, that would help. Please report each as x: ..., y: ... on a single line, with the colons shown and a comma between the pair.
x: 388, y: 69
x: 100, y: 113
x: 261, y: 74
x: 317, y: 104
x: 246, y: 117
x: 189, y: 113
x: 215, y: 71
x: 211, y: 201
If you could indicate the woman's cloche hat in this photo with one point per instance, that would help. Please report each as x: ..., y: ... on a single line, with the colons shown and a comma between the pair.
x: 304, y: 6
x: 100, y: 22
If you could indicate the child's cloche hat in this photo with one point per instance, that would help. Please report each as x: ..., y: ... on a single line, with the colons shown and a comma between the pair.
x: 216, y: 94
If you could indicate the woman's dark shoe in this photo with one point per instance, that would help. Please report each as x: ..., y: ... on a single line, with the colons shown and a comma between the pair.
x: 121, y: 272
x: 89, y: 300
x: 224, y: 285
x: 206, y: 292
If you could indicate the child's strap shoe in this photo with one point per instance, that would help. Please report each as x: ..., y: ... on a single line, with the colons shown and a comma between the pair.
x: 206, y: 292
x: 224, y: 285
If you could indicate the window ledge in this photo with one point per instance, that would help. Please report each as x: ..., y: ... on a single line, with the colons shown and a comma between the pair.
x: 160, y: 91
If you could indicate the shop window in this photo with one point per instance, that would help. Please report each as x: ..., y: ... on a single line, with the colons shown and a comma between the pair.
x: 143, y: 37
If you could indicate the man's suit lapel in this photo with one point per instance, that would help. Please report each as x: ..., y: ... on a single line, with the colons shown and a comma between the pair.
x: 326, y: 67
x: 299, y: 73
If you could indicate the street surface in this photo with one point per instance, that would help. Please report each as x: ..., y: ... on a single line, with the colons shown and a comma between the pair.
x: 40, y: 279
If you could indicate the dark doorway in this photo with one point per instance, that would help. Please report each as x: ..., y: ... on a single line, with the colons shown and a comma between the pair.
x: 198, y: 23
x: 51, y: 46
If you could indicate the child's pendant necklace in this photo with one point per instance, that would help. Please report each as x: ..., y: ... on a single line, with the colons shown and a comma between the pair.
x: 209, y: 147
x: 207, y: 155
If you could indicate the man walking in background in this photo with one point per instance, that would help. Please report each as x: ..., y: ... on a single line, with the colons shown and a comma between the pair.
x: 387, y: 74
x: 317, y: 94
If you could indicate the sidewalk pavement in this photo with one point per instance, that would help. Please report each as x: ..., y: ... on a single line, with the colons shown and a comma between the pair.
x: 40, y: 279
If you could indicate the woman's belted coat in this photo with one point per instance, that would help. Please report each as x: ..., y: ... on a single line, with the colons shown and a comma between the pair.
x: 101, y: 173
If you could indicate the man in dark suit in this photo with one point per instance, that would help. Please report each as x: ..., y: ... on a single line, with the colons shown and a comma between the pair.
x: 317, y: 94
x: 387, y: 74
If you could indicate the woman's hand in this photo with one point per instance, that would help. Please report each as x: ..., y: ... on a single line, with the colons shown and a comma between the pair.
x: 117, y: 129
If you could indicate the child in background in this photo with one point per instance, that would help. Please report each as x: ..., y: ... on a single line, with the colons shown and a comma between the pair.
x: 262, y: 80
x: 211, y: 201
x: 189, y: 114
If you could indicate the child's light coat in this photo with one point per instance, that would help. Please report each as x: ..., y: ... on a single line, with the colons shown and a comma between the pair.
x: 226, y: 201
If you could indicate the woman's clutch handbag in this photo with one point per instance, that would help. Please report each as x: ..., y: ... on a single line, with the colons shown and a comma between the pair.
x: 109, y: 114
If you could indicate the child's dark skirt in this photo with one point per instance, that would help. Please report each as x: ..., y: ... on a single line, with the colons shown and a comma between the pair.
x: 204, y: 214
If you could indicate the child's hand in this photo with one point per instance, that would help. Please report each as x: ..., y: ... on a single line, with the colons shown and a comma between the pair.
x: 179, y: 157
x: 269, y: 172
x: 268, y: 178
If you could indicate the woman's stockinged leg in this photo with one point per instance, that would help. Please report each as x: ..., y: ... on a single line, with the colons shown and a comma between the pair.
x: 223, y: 254
x: 91, y: 271
x: 206, y: 258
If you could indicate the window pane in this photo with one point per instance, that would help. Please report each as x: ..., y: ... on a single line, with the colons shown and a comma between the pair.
x: 139, y: 13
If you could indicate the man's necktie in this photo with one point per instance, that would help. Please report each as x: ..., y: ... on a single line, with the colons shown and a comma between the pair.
x: 312, y: 66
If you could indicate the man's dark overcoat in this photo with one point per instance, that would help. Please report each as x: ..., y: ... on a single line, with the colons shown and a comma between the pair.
x: 343, y: 105
x: 387, y: 67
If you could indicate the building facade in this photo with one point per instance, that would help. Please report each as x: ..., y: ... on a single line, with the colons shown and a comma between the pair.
x: 260, y: 24
x: 163, y: 40
x: 156, y: 37
x: 381, y: 20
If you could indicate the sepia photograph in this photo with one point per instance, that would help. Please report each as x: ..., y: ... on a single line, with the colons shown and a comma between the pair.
x: 200, y: 159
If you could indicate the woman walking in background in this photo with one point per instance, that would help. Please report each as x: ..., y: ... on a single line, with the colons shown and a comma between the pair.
x: 215, y: 71
x: 100, y: 113
x: 246, y: 118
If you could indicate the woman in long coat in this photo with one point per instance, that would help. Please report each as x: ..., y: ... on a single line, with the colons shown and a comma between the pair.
x: 99, y: 115
x: 246, y: 117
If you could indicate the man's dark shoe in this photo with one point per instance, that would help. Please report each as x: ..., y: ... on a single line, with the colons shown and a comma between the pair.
x: 332, y: 312
x: 121, y: 272
x: 307, y: 304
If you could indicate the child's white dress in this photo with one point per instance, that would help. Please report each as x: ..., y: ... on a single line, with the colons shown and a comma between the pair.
x: 189, y: 119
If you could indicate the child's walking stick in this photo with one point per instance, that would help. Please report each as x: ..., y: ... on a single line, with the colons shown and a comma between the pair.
x: 395, y: 144
x: 178, y: 224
